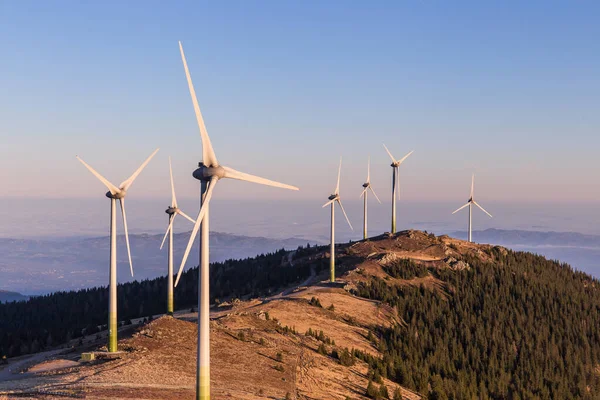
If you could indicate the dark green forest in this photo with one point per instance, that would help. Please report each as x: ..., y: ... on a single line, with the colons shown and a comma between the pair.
x: 50, y: 320
x: 522, y: 327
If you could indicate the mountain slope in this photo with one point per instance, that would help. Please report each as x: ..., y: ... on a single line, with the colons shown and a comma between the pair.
x: 6, y: 296
x: 431, y: 317
x: 580, y: 250
x: 71, y: 264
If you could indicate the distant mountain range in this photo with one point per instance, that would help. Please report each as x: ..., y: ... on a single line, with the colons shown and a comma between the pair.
x: 35, y: 266
x: 580, y: 250
x: 533, y: 238
x: 6, y: 296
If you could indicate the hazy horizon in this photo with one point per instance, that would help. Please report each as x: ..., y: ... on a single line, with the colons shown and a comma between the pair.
x: 44, y: 218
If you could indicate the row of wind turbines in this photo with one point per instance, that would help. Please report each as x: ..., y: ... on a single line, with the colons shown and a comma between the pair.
x: 209, y: 173
x: 335, y: 198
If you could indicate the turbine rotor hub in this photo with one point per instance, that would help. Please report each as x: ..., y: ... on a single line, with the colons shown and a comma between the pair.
x: 206, y: 173
x: 171, y: 210
x: 116, y: 196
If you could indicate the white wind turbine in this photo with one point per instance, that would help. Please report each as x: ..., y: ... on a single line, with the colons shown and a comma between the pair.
x: 209, y: 173
x: 395, y: 183
x: 113, y: 194
x: 335, y: 198
x: 172, y: 210
x: 470, y: 205
x: 367, y: 186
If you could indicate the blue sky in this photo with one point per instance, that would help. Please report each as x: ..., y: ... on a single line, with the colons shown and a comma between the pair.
x: 509, y: 90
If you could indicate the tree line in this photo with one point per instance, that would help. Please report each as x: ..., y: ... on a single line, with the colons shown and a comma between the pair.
x: 50, y: 320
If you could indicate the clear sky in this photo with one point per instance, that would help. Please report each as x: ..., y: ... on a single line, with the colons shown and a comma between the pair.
x: 509, y: 90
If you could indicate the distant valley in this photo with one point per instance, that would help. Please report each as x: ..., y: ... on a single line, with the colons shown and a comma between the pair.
x: 37, y: 266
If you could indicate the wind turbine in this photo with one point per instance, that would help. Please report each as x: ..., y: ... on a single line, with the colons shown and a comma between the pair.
x: 172, y: 211
x: 335, y: 198
x: 395, y: 183
x: 209, y: 172
x: 367, y: 186
x: 470, y: 205
x: 113, y: 194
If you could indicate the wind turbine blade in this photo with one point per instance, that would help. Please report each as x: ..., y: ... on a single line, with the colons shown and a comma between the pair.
x: 391, y: 156
x: 369, y: 170
x: 466, y: 205
x: 328, y: 203
x: 405, y: 157
x: 363, y: 192
x: 193, y: 221
x: 173, y: 198
x: 112, y: 188
x: 122, y: 201
x: 472, y: 185
x: 126, y: 184
x: 201, y: 214
x: 233, y: 174
x: 337, y: 188
x: 474, y: 202
x: 208, y: 154
x: 370, y: 187
x: 344, y: 211
x: 168, y: 229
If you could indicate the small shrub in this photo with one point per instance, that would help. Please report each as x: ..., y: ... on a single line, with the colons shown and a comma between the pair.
x: 279, y: 357
x: 372, y: 391
x: 315, y: 302
x: 322, y: 349
x: 383, y: 392
x: 241, y: 336
x: 279, y: 368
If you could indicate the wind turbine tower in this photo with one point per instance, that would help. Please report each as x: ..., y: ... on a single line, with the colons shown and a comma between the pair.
x: 335, y: 198
x: 395, y: 183
x: 367, y: 186
x: 172, y: 211
x: 116, y: 193
x: 470, y: 204
x: 209, y: 173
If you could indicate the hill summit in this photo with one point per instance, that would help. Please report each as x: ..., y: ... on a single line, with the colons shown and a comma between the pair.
x: 411, y: 316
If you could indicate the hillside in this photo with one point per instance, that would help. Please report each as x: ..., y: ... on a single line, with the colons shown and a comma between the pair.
x: 582, y: 251
x: 76, y: 263
x: 6, y: 296
x: 429, y: 317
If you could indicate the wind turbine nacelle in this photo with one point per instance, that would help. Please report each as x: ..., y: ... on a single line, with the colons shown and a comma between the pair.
x: 204, y: 173
x: 171, y: 210
x: 333, y: 197
x: 365, y: 185
x: 116, y: 196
